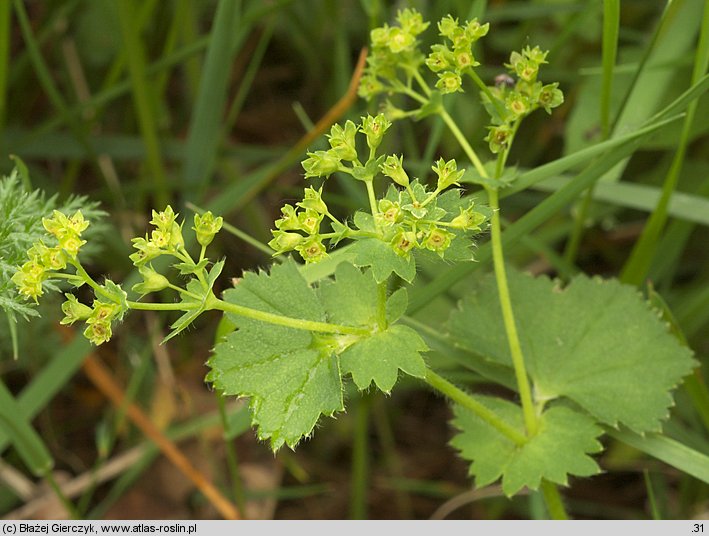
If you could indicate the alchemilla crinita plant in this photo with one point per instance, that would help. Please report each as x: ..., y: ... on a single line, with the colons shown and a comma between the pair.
x: 578, y: 357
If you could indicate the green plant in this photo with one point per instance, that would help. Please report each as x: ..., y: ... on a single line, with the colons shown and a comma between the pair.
x: 21, y: 212
x: 570, y: 351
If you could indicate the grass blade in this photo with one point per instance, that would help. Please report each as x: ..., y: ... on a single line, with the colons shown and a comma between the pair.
x: 611, y: 26
x: 144, y: 101
x: 27, y: 442
x: 530, y: 178
x: 638, y: 265
x: 49, y: 381
x: 204, y: 130
x: 668, y: 450
x: 686, y: 207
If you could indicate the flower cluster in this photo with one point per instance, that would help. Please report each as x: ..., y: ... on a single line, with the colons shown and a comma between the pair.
x: 511, y: 99
x: 393, y: 48
x: 108, y: 306
x: 416, y: 218
x: 299, y: 228
x: 110, y: 302
x: 44, y: 260
x: 343, y: 147
x: 48, y: 263
x: 166, y: 238
x: 206, y: 227
x: 406, y: 219
x: 452, y: 59
x: 395, y: 51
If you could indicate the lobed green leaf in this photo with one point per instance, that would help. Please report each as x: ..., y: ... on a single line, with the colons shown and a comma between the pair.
x: 596, y: 342
x: 294, y: 376
x: 568, y: 434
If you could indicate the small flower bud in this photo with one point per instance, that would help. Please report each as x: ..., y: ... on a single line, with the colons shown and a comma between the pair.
x: 74, y: 310
x: 467, y: 220
x: 312, y: 200
x: 474, y: 30
x: 310, y: 221
x: 28, y: 279
x: 103, y: 312
x: 439, y: 58
x: 447, y: 173
x: 321, y: 164
x: 404, y: 242
x: 374, y: 128
x: 379, y: 36
x: 71, y: 244
x: 77, y: 223
x: 342, y: 141
x: 289, y: 221
x: 206, y: 226
x: 152, y: 281
x: 98, y: 333
x: 54, y: 259
x: 147, y: 251
x: 464, y: 59
x: 160, y: 239
x: 550, y: 97
x: 389, y: 212
x: 517, y: 103
x: 448, y: 26
x: 498, y: 138
x: 536, y: 55
x: 411, y: 21
x: 50, y: 258
x: 164, y: 220
x: 177, y: 241
x: 312, y: 251
x: 449, y: 82
x: 394, y: 169
x: 369, y: 87
x: 283, y: 241
x: 438, y: 240
x: 58, y: 225
x: 399, y: 40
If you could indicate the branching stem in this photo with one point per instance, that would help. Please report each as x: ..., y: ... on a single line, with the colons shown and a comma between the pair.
x: 468, y: 402
x: 463, y: 142
x: 298, y: 323
x: 530, y: 418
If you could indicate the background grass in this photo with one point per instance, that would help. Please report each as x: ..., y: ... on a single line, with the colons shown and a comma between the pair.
x: 139, y: 104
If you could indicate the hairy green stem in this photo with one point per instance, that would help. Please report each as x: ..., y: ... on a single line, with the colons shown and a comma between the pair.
x: 422, y: 83
x: 401, y: 88
x: 297, y: 323
x: 90, y: 281
x: 184, y: 292
x: 525, y: 393
x: 372, y: 198
x: 463, y: 142
x: 552, y: 497
x: 468, y: 402
x: 486, y: 90
x: 151, y: 306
